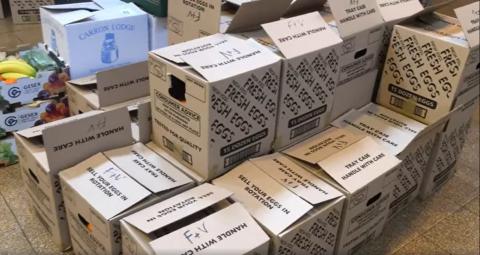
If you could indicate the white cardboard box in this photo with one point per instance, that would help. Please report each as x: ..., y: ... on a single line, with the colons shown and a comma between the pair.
x: 96, y: 36
x: 299, y: 211
x: 120, y: 87
x: 198, y: 221
x: 27, y: 11
x: 192, y: 19
x: 408, y: 139
x: 446, y: 152
x: 359, y: 167
x: 108, y: 186
x: 158, y: 33
x: 47, y: 149
x: 310, y: 64
x: 214, y: 101
x: 429, y: 62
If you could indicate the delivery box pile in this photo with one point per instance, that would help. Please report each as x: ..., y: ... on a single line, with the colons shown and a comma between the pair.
x: 360, y: 168
x: 408, y: 139
x: 95, y: 36
x: 214, y: 101
x: 108, y: 186
x: 198, y: 221
x: 299, y: 211
x: 47, y: 149
x: 125, y: 86
x: 189, y: 19
x: 310, y: 64
x: 430, y: 61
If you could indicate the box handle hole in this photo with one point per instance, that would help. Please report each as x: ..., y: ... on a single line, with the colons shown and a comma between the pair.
x: 360, y: 53
x: 374, y: 199
x: 177, y: 88
x: 87, y: 225
x: 33, y: 175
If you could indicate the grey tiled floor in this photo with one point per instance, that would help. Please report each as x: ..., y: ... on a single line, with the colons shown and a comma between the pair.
x: 448, y: 223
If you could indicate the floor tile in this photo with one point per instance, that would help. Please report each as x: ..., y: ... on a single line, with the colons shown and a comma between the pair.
x: 473, y: 206
x: 458, y: 234
x: 32, y: 36
x: 458, y: 190
x: 468, y: 174
x: 9, y: 40
x: 421, y: 246
x: 10, y: 184
x: 6, y: 26
x: 12, y: 239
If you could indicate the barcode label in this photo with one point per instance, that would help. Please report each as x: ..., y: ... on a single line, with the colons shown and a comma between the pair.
x: 187, y: 157
x: 304, y: 128
x: 421, y: 112
x: 398, y: 102
x: 241, y: 155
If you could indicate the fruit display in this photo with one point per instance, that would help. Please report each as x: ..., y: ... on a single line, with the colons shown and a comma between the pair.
x: 13, y: 69
x: 54, y: 111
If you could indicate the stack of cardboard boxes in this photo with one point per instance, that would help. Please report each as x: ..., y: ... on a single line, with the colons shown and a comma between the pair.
x: 294, y: 80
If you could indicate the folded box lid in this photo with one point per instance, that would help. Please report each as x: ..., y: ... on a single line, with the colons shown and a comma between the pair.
x: 297, y: 179
x: 396, y: 10
x: 218, y: 56
x: 176, y: 208
x: 147, y: 168
x: 351, y: 160
x: 468, y: 16
x: 107, y: 189
x: 231, y: 231
x: 301, y: 34
x: 70, y: 140
x: 390, y: 136
x: 269, y: 202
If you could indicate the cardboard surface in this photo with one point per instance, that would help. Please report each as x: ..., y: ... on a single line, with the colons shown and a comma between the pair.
x: 354, y: 16
x: 469, y: 20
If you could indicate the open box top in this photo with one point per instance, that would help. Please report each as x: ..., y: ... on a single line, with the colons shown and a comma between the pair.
x: 76, y: 13
x: 296, y: 36
x: 114, y: 86
x: 177, y: 208
x: 218, y: 57
x: 351, y: 160
x: 116, y: 180
x: 63, y: 143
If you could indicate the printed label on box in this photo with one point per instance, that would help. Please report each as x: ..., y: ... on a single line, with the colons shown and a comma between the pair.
x: 354, y: 14
x: 469, y: 18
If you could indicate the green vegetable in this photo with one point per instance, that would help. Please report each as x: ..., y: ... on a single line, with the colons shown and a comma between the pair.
x: 7, y: 156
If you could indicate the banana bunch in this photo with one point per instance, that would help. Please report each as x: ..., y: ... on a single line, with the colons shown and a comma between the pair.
x: 13, y: 69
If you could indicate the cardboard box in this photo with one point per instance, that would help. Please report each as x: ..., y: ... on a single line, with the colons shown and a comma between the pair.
x: 34, y: 114
x: 27, y: 11
x: 429, y: 62
x: 164, y: 154
x: 447, y: 149
x: 299, y: 211
x: 46, y: 83
x: 108, y: 186
x: 408, y: 139
x: 158, y: 33
x: 198, y: 221
x: 110, y: 35
x: 359, y: 167
x: 309, y: 74
x: 8, y: 150
x: 190, y: 19
x: 45, y: 150
x: 214, y: 101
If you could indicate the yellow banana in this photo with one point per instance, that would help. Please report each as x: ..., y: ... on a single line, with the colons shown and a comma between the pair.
x: 13, y: 76
x: 16, y: 66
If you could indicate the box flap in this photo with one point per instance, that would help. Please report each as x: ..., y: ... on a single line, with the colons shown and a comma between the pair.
x: 304, y: 6
x: 147, y: 168
x: 359, y: 164
x: 392, y: 138
x: 220, y: 56
x: 468, y: 16
x: 73, y: 141
x: 295, y: 178
x: 229, y: 231
x: 395, y: 119
x: 302, y: 34
x: 356, y: 16
x: 124, y: 83
x: 252, y: 14
x: 89, y: 6
x: 271, y: 204
x: 38, y: 130
x: 84, y: 81
x: 107, y: 189
x: 176, y: 208
x: 395, y: 10
x: 323, y: 145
